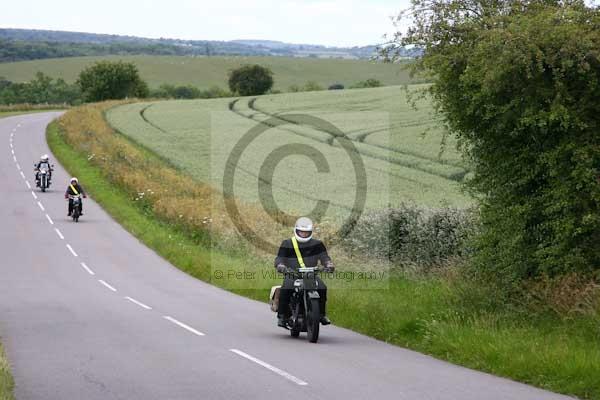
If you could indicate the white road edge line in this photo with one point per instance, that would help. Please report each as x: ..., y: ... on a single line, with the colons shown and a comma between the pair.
x: 41, y: 206
x: 59, y: 233
x: 71, y: 250
x: 34, y: 195
x: 87, y: 269
x: 138, y: 303
x: 28, y: 184
x: 270, y: 367
x: 107, y: 285
x: 49, y: 219
x: 182, y: 325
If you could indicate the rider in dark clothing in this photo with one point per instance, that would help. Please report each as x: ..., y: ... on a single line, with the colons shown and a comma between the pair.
x: 44, y: 161
x: 312, y: 251
x: 74, y: 189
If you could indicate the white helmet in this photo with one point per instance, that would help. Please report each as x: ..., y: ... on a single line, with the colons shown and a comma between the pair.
x: 44, y: 157
x: 74, y: 179
x: 306, y: 225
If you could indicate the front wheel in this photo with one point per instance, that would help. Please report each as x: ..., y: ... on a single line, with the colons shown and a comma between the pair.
x: 313, y: 320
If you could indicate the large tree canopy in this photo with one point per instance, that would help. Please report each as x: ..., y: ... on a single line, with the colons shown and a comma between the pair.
x: 107, y: 80
x: 250, y: 80
x: 519, y: 83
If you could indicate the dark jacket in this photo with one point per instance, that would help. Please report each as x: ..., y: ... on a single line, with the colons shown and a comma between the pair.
x: 312, y: 252
x: 70, y: 191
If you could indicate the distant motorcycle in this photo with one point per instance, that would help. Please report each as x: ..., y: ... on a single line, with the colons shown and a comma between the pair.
x: 43, y: 178
x: 304, y: 304
x: 76, y: 211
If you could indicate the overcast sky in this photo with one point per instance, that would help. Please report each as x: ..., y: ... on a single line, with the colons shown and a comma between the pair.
x: 328, y: 22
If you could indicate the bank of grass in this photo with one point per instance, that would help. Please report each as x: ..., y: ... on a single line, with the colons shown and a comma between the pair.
x: 430, y: 315
x: 6, y: 380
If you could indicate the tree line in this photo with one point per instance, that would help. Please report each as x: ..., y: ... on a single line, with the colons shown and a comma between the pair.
x: 107, y: 80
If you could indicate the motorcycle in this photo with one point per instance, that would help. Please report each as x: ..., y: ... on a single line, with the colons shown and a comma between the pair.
x: 305, y: 305
x: 43, y: 177
x: 76, y: 210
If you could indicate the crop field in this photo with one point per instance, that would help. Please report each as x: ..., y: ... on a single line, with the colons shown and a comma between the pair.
x: 399, y: 147
x: 204, y: 72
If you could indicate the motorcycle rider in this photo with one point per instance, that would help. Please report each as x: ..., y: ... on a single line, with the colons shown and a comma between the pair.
x: 74, y: 189
x: 312, y: 251
x: 43, y: 160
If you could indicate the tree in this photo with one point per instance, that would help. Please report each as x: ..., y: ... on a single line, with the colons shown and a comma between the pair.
x: 250, y: 80
x: 369, y: 83
x: 518, y: 82
x: 107, y: 80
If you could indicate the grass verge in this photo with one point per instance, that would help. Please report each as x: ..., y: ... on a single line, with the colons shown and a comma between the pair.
x: 427, y: 315
x: 6, y: 380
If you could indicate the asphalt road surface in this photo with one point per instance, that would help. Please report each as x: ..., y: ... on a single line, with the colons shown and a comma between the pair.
x: 88, y: 312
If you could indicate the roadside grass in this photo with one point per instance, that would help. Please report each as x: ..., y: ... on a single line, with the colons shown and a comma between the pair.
x: 426, y: 314
x: 6, y: 380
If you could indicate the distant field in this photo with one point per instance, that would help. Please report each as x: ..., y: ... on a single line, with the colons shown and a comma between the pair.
x: 208, y: 71
x: 402, y: 166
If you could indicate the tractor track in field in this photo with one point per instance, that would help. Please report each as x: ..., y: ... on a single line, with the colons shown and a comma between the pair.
x: 457, y: 177
x: 362, y: 137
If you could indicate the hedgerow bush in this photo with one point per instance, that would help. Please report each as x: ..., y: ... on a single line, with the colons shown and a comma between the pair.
x: 413, y: 235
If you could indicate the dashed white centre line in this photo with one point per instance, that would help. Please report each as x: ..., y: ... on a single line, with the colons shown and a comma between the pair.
x: 49, y: 219
x: 41, y: 206
x: 71, y: 250
x: 59, y: 233
x: 107, y: 285
x: 138, y: 303
x: 87, y: 269
x: 18, y: 166
x: 13, y: 151
x: 22, y: 175
x: 270, y: 367
x: 184, y: 326
x: 15, y: 158
x: 28, y: 184
x: 34, y: 195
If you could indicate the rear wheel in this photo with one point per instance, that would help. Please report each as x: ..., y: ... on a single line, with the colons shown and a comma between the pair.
x: 313, y: 321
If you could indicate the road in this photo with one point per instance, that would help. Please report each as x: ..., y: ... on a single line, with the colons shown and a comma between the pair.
x: 88, y: 312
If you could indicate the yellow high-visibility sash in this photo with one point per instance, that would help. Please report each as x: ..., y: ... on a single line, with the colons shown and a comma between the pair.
x: 74, y: 190
x: 297, y: 250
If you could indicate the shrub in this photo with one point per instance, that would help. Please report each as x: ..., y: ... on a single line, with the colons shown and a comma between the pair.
x: 413, y: 235
x: 369, y: 83
x: 312, y: 86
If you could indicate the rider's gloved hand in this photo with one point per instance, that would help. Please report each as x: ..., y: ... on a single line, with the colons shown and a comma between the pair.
x: 281, y: 268
x: 329, y: 267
